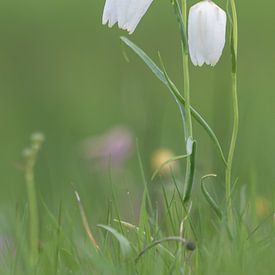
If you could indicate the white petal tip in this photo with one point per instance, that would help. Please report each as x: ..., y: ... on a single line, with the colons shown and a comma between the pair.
x: 127, y: 13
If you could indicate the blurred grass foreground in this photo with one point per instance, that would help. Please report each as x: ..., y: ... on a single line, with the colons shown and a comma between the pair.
x: 107, y: 125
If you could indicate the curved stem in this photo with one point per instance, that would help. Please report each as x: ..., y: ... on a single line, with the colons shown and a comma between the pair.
x: 234, y: 46
x: 189, y: 245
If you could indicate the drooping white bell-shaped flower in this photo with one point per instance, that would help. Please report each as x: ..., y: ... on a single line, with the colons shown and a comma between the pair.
x: 127, y: 13
x: 206, y: 33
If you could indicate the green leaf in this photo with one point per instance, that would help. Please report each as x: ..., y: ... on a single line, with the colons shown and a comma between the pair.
x: 146, y: 59
x: 168, y: 208
x: 208, y: 197
x: 191, y: 148
x: 157, y: 171
x: 174, y: 91
x: 123, y: 242
x: 177, y: 8
x: 189, y: 245
x: 146, y: 203
x: 144, y: 220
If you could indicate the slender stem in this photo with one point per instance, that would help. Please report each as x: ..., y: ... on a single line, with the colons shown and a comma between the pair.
x: 234, y: 47
x: 189, y: 131
x: 31, y: 156
x: 189, y: 245
x: 34, y: 224
x: 186, y: 92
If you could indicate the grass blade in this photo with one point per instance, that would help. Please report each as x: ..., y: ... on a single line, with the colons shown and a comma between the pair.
x: 187, y: 244
x: 146, y: 191
x: 177, y: 9
x: 85, y: 221
x: 166, y: 163
x: 208, y: 197
x: 123, y: 242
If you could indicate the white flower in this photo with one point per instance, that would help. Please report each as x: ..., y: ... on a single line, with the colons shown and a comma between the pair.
x: 127, y: 13
x: 206, y: 33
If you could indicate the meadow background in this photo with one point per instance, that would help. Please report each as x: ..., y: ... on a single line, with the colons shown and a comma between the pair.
x: 64, y: 74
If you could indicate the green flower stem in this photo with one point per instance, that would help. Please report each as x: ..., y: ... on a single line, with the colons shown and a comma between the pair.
x: 186, y: 78
x: 234, y: 47
x: 186, y: 93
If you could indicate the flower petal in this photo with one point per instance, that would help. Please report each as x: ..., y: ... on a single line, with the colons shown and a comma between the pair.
x: 110, y: 13
x: 127, y: 13
x: 136, y: 11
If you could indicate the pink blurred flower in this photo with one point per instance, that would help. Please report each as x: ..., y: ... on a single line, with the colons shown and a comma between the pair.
x: 113, y: 147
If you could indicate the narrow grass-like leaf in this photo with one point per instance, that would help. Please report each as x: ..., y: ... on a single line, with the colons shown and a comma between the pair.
x: 187, y: 244
x: 173, y: 159
x: 187, y: 211
x: 253, y: 231
x: 175, y: 93
x: 208, y: 197
x: 232, y: 16
x: 147, y: 195
x: 85, y: 221
x: 144, y: 218
x: 177, y: 9
x: 192, y: 145
x: 123, y: 242
x: 137, y: 229
x: 160, y: 75
x: 168, y: 208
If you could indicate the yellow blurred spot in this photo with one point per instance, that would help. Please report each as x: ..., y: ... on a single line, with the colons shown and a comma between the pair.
x: 263, y: 207
x: 159, y: 157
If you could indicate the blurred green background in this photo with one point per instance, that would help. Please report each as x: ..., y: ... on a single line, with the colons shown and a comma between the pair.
x: 64, y: 74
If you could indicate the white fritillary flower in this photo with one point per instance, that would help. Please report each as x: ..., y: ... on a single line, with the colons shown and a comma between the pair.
x: 206, y: 33
x: 127, y: 13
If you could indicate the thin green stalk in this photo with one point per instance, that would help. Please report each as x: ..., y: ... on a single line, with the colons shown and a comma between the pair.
x: 186, y: 78
x: 234, y: 47
x: 34, y: 223
x: 31, y: 156
x: 189, y: 131
x: 186, y: 93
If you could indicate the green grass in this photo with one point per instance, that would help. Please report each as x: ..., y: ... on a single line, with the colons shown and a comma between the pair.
x: 165, y: 237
